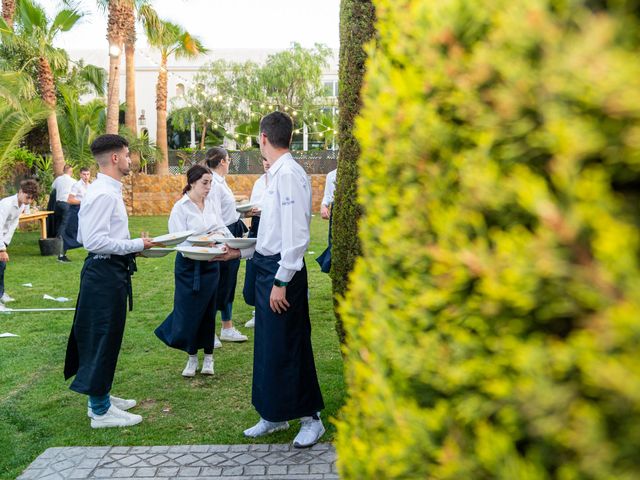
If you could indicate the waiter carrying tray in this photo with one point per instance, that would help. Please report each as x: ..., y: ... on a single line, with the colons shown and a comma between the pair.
x: 285, y: 383
x: 105, y: 285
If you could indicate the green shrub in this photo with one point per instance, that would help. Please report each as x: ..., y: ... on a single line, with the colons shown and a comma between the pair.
x: 493, y: 318
x: 356, y: 28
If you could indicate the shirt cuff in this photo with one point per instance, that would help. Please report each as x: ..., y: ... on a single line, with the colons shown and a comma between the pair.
x: 139, y: 243
x: 247, y: 252
x: 284, y: 274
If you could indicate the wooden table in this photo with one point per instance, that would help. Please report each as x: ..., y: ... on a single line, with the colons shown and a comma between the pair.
x: 41, y: 215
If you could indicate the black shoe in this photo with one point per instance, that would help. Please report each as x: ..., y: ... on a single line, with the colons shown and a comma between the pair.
x: 63, y: 259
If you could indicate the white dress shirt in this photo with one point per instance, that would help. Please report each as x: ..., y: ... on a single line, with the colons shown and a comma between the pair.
x: 9, y: 213
x: 329, y: 188
x: 286, y: 216
x: 258, y: 190
x: 221, y: 193
x: 103, y: 224
x: 63, y: 185
x: 79, y: 190
x: 186, y: 215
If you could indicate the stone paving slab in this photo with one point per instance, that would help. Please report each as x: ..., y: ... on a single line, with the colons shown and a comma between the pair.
x: 184, y: 462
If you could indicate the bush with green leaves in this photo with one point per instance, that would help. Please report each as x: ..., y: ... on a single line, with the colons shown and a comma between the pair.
x: 493, y: 319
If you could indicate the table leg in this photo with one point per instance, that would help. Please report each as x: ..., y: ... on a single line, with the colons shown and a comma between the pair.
x: 43, y: 227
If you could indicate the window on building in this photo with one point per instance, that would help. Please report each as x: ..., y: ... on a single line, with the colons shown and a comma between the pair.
x: 180, y: 90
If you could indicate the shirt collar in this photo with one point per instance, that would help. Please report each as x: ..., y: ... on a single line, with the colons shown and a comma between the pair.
x: 217, y: 177
x: 14, y: 201
x: 278, y: 163
x: 110, y: 181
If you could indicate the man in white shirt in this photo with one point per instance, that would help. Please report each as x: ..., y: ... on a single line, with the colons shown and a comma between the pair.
x: 74, y: 199
x: 105, y: 285
x: 10, y: 210
x: 62, y: 185
x: 324, y: 260
x: 285, y: 383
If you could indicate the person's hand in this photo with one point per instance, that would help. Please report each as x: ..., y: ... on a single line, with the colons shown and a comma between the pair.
x: 278, y: 299
x: 324, y: 212
x: 149, y: 243
x: 4, y: 256
x: 254, y: 212
x: 229, y: 254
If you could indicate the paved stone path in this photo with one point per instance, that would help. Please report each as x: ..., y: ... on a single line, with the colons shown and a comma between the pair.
x: 197, y: 462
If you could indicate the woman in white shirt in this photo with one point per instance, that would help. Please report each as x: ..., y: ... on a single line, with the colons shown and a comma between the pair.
x: 191, y: 325
x: 217, y: 159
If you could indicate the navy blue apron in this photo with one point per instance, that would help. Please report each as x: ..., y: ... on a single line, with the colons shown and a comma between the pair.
x: 191, y: 324
x: 285, y: 383
x: 324, y: 260
x: 248, y: 291
x: 229, y: 271
x: 98, y: 324
x: 70, y: 233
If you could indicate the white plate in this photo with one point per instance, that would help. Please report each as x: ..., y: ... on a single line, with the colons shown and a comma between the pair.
x: 172, y: 238
x: 200, y: 253
x: 156, y: 252
x: 245, y: 207
x: 201, y: 240
x: 237, y: 242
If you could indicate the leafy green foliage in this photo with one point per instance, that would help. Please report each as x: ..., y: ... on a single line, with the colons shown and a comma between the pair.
x: 356, y: 29
x: 492, y: 321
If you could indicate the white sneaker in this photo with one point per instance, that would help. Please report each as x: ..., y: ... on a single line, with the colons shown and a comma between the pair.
x: 190, y: 369
x: 6, y: 298
x: 264, y: 427
x: 216, y: 342
x: 207, y: 365
x: 232, y: 335
x: 115, y: 418
x: 121, y: 403
x: 251, y: 323
x: 310, y: 432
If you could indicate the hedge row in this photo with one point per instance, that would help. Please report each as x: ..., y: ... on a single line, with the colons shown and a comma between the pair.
x: 493, y: 320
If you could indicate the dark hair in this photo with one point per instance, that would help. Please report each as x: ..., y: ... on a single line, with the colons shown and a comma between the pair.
x: 66, y: 167
x: 30, y: 187
x: 108, y: 143
x: 278, y: 127
x: 85, y: 169
x: 194, y: 174
x: 214, y: 156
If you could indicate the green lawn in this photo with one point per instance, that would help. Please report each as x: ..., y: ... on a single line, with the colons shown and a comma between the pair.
x: 38, y: 411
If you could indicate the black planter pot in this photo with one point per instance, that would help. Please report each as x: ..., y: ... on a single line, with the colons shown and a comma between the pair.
x: 50, y: 246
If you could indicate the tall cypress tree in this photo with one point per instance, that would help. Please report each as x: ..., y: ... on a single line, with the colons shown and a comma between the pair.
x: 357, y: 19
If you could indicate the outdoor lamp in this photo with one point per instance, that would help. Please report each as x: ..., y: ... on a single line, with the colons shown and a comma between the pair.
x: 114, y: 50
x: 142, y: 121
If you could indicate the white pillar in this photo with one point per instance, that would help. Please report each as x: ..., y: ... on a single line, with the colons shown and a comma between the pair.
x: 305, y: 137
x: 192, y: 144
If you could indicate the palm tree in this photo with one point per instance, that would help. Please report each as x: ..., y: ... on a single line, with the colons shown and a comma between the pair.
x: 33, y: 37
x: 20, y: 112
x: 170, y: 39
x: 116, y: 27
x: 8, y: 11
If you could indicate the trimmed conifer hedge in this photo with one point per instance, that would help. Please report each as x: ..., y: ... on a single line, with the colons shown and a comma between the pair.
x: 493, y: 319
x: 356, y: 28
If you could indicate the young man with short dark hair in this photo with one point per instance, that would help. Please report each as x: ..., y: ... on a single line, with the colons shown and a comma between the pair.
x: 105, y: 285
x: 10, y: 210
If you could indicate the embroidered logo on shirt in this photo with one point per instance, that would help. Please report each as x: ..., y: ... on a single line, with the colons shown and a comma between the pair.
x: 288, y: 201
x: 101, y: 257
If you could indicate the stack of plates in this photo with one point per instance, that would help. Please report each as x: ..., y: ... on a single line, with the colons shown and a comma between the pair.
x: 236, y: 242
x: 200, y: 253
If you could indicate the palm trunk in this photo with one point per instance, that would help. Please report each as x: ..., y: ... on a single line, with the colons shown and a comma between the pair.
x: 130, y: 116
x: 204, y: 134
x: 113, y: 95
x: 161, y: 113
x: 48, y: 91
x: 8, y: 11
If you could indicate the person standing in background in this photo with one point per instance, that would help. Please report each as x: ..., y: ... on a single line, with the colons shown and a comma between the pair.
x: 62, y: 185
x: 217, y: 159
x: 10, y: 210
x: 324, y: 259
x: 70, y: 233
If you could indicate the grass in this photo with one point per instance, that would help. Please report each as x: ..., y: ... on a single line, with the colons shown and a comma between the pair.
x: 38, y: 411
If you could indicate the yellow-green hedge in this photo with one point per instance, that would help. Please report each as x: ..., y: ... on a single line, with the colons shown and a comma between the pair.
x: 493, y: 321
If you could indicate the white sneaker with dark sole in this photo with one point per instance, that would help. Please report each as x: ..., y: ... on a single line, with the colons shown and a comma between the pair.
x: 265, y: 427
x: 115, y: 418
x: 122, y: 403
